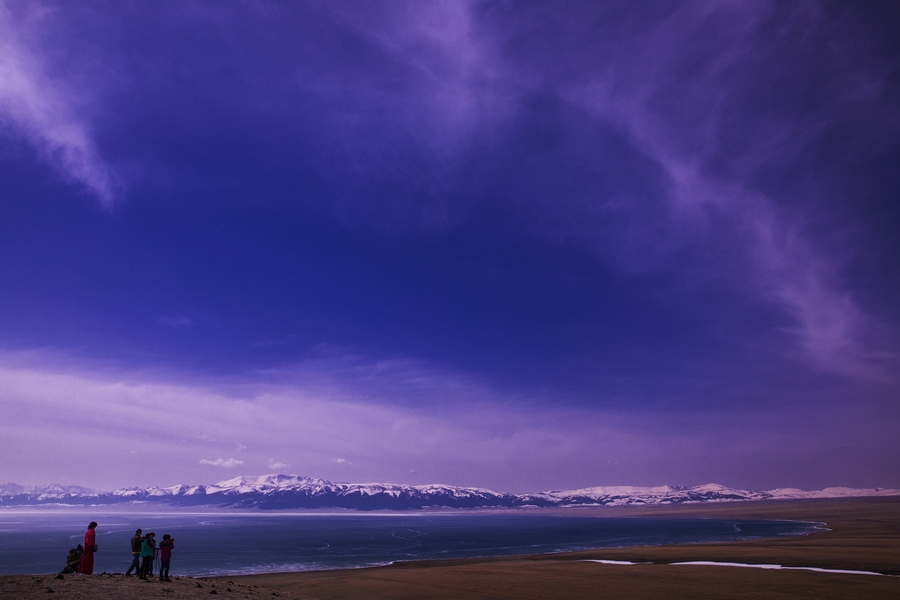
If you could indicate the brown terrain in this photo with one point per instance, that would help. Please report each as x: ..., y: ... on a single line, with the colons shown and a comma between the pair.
x: 113, y: 586
x: 862, y: 535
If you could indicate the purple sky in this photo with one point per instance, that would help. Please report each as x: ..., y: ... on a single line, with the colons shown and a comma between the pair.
x: 523, y: 246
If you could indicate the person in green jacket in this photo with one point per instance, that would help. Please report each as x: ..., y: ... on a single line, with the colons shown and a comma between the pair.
x: 148, y: 549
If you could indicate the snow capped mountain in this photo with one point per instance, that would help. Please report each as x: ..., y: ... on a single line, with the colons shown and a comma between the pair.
x: 52, y: 490
x: 291, y: 491
x: 831, y: 492
x: 629, y: 495
x: 262, y: 483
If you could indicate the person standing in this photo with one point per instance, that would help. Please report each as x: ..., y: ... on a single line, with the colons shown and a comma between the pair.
x: 165, y: 555
x: 90, y: 546
x: 136, y: 554
x: 148, y: 547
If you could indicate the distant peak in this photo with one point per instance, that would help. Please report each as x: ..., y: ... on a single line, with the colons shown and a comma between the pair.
x: 271, y: 480
x: 279, y: 490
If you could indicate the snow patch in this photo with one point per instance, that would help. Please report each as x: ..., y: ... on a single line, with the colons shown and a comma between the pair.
x: 707, y: 563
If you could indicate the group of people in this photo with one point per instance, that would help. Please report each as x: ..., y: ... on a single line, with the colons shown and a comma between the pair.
x: 144, y: 551
x: 81, y: 558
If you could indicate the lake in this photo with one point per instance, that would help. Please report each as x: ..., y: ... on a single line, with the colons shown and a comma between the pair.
x: 35, y: 541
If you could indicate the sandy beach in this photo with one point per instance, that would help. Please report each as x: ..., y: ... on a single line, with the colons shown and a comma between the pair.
x: 864, y: 535
x: 111, y: 586
x: 861, y: 535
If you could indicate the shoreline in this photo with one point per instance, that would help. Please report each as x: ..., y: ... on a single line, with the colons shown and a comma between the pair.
x: 814, y: 527
x: 853, y: 534
x: 859, y: 535
x: 298, y: 544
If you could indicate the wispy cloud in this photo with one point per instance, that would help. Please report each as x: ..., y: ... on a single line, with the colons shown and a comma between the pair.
x: 42, y: 108
x: 712, y: 219
x: 783, y: 261
x: 461, y: 80
x: 377, y: 416
x: 446, y: 62
x: 228, y: 463
x: 176, y: 322
x: 432, y: 85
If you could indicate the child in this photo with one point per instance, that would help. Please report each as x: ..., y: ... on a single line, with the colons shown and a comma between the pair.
x: 165, y: 555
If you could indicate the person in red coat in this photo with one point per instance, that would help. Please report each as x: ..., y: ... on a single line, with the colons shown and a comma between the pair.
x: 165, y: 556
x: 90, y: 546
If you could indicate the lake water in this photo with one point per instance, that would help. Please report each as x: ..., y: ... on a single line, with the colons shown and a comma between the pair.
x: 35, y: 541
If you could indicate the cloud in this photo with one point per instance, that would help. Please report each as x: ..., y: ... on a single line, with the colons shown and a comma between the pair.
x: 427, y: 72
x: 178, y: 322
x: 44, y: 109
x: 707, y: 95
x: 461, y: 431
x: 413, y: 115
x: 775, y: 253
x: 276, y: 464
x: 375, y: 414
x: 228, y: 463
x: 653, y: 146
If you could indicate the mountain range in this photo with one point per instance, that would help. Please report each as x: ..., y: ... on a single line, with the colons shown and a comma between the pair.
x: 292, y: 492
